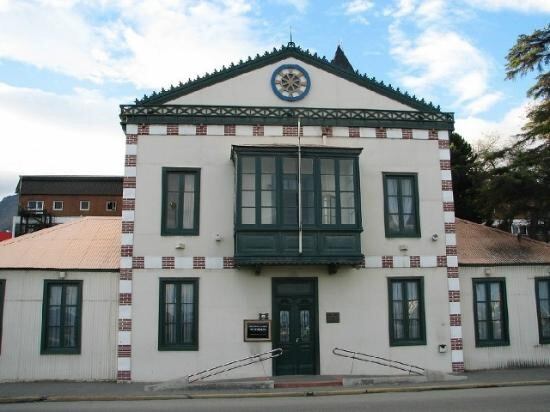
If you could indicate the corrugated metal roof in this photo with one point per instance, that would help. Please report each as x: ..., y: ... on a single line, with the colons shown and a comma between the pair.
x: 91, y: 243
x: 70, y: 185
x: 482, y: 245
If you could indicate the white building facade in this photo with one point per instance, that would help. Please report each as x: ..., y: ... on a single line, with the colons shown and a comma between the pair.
x: 290, y: 186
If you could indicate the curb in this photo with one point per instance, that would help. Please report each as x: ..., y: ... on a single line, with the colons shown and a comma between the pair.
x: 295, y: 394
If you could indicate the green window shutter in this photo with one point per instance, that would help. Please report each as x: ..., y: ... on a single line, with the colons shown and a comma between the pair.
x: 542, y: 289
x: 401, y: 204
x: 61, y: 317
x: 490, y: 312
x: 178, y: 314
x: 180, y: 201
x: 406, y: 311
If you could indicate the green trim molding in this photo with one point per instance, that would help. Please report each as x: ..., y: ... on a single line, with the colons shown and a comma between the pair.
x: 416, y: 202
x: 491, y: 341
x: 539, y: 284
x: 285, y: 116
x: 179, y: 345
x: 62, y: 349
x: 407, y: 340
x: 181, y: 172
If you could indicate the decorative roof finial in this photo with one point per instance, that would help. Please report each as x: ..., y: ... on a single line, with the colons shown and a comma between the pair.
x: 291, y: 43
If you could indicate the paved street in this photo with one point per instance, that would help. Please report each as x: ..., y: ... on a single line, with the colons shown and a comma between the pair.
x: 527, y: 398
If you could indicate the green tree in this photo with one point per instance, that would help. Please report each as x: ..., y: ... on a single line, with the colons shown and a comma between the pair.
x: 516, y: 179
x: 466, y: 175
x: 532, y: 53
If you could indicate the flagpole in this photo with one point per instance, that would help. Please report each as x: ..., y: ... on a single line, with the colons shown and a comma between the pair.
x: 299, y: 187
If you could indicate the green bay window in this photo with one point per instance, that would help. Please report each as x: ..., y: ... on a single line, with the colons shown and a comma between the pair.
x: 268, y: 208
x: 490, y: 312
x: 180, y: 201
x: 542, y: 288
x: 61, y: 317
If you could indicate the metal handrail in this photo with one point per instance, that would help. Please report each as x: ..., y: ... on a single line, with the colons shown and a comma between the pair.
x: 411, y: 369
x: 260, y: 357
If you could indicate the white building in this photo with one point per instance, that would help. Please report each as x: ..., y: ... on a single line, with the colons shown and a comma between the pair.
x: 58, y: 302
x: 212, y: 211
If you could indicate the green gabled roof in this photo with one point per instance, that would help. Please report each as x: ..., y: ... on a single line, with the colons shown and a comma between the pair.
x: 290, y: 50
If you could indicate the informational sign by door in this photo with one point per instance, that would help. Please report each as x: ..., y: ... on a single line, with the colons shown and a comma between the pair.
x: 257, y: 330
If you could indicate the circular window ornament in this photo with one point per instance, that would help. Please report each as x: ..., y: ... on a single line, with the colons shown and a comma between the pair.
x: 290, y: 82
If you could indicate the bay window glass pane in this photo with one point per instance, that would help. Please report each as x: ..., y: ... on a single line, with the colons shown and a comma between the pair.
x: 290, y: 165
x: 248, y: 215
x: 347, y: 199
x: 268, y: 216
x: 248, y: 165
x: 248, y: 199
x: 248, y: 182
x: 347, y: 216
x: 307, y: 166
x: 327, y: 183
x: 268, y: 198
x: 346, y: 183
x: 346, y: 167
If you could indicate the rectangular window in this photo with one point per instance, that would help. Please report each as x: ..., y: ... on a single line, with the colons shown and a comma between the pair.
x: 401, y: 205
x: 61, y: 317
x: 180, y: 201
x: 542, y: 288
x: 178, y: 314
x: 84, y: 205
x: 57, y: 205
x: 490, y: 312
x: 406, y: 311
x: 36, y: 205
x: 2, y: 293
x: 110, y: 206
x: 268, y: 190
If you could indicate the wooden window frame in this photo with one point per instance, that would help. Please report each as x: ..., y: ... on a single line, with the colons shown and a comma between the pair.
x: 416, y: 202
x: 279, y: 206
x: 194, y: 346
x: 407, y: 341
x: 505, y: 341
x: 180, y: 231
x: 542, y: 339
x: 107, y: 206
x: 61, y: 350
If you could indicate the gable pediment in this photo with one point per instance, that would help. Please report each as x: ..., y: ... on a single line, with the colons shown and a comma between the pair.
x: 250, y: 84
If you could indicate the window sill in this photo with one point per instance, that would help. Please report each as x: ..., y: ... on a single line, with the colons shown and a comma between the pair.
x: 60, y: 351
x: 492, y: 344
x: 409, y: 343
x: 178, y: 348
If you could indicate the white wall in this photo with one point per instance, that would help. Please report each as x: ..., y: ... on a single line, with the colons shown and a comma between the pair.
x: 227, y: 297
x: 254, y: 89
x: 20, y: 357
x: 524, y: 348
x: 212, y: 155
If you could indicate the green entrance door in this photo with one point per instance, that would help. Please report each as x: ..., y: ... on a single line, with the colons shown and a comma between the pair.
x: 295, y: 326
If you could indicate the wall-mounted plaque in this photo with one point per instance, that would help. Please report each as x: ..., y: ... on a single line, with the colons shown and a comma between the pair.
x: 333, y: 317
x: 257, y: 330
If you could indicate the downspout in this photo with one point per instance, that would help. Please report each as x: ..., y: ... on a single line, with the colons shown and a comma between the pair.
x: 299, y: 188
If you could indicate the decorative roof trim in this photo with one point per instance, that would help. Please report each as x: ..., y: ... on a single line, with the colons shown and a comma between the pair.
x: 249, y: 115
x: 274, y: 56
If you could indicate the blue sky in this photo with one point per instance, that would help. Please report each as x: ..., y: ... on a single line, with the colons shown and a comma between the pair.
x: 65, y: 65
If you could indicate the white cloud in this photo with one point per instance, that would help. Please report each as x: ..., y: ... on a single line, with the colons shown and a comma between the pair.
x: 476, y: 130
x: 357, y: 6
x: 356, y: 10
x: 525, y: 6
x: 45, y: 133
x: 439, y: 61
x: 147, y: 43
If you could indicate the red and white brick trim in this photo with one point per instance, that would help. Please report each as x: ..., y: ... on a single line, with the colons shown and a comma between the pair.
x: 124, y: 338
x: 284, y: 131
x: 451, y: 258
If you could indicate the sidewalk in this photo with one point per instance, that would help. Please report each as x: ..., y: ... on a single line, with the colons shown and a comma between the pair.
x: 268, y: 386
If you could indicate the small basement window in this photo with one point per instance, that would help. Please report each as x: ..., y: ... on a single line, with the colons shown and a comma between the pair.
x: 57, y: 205
x: 84, y: 205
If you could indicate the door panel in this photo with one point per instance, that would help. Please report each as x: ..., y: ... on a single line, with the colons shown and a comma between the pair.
x: 295, y: 325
